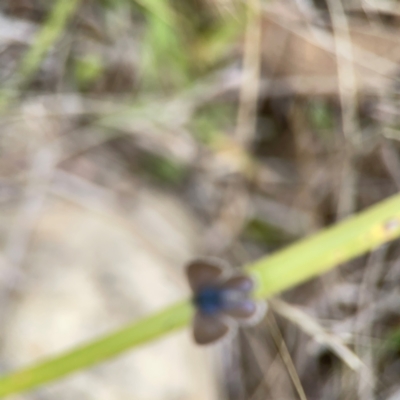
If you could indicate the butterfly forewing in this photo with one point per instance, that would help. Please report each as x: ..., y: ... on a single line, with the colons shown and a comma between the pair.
x: 208, y: 329
x: 202, y: 273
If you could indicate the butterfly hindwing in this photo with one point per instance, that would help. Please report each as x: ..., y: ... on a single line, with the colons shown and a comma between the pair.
x: 208, y: 328
x: 242, y: 309
x: 239, y: 282
x: 238, y: 305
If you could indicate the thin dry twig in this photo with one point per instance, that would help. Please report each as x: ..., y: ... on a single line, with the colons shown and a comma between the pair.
x: 373, y: 272
x: 391, y: 160
x: 347, y: 203
x: 277, y: 384
x: 310, y: 326
x: 287, y: 359
x: 249, y: 90
x: 348, y: 101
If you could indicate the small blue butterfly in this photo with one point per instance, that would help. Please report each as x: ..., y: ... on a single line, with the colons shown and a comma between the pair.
x: 221, y: 298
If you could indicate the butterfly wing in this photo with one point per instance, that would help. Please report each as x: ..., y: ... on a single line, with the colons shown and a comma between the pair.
x: 261, y: 308
x: 208, y: 329
x: 201, y: 273
x: 242, y: 309
x: 239, y: 282
x: 238, y: 304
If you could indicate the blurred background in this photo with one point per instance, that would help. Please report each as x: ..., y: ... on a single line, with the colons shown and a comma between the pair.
x: 136, y: 135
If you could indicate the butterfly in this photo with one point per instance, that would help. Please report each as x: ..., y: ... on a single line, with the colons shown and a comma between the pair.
x: 221, y: 298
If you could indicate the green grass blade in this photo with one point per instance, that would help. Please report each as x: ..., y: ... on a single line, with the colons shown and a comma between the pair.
x: 47, y: 36
x: 52, y: 29
x: 293, y: 265
x: 135, y: 334
x: 316, y: 254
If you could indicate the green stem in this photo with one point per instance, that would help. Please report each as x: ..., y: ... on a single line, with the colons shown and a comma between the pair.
x: 168, y: 320
x: 305, y: 259
x: 317, y: 254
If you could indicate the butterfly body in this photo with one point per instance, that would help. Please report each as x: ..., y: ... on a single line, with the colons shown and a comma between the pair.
x: 212, y: 300
x: 209, y: 300
x: 221, y: 298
